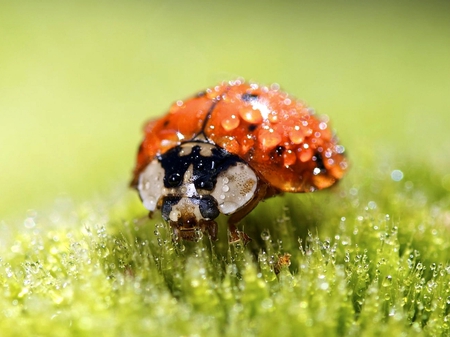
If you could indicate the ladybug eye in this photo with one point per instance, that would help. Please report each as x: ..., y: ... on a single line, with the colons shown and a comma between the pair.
x: 174, y: 180
x: 235, y: 187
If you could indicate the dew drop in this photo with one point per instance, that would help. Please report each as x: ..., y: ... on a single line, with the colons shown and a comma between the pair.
x: 275, y: 86
x: 265, y: 235
x: 289, y: 158
x: 230, y: 123
x: 387, y: 281
x: 296, y: 136
x: 149, y: 202
x: 396, y: 175
x: 273, y: 117
x: 29, y: 223
x: 339, y: 149
x: 269, y: 139
x: 305, y: 155
x: 372, y: 205
x: 251, y: 115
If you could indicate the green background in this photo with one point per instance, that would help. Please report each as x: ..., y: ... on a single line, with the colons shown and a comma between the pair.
x: 78, y: 80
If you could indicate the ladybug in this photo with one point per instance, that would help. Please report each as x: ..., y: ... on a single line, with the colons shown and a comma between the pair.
x: 228, y: 148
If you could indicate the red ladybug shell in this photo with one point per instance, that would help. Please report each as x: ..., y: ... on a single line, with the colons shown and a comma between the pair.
x: 277, y: 136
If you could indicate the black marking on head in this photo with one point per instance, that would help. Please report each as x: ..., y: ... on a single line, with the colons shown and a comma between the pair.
x: 279, y: 150
x: 319, y: 161
x: 206, y: 168
x: 207, y: 204
x: 167, y: 204
x: 249, y: 97
x: 208, y: 207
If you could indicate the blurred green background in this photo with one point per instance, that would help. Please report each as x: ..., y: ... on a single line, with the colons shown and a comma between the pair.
x: 78, y: 80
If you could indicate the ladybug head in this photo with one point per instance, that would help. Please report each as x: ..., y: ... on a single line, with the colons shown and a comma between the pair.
x: 193, y: 183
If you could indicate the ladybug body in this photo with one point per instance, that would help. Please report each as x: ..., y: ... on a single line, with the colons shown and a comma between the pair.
x: 228, y: 148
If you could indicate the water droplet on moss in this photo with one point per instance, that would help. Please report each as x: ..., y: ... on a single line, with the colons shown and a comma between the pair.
x: 29, y: 223
x: 262, y: 257
x: 265, y: 235
x: 396, y: 175
x: 387, y: 282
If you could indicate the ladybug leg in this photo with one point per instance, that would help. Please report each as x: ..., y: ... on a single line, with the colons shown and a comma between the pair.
x: 236, y: 235
x: 212, y: 230
x: 210, y: 227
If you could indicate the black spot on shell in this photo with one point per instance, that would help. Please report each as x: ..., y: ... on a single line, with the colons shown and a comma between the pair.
x: 279, y: 150
x: 249, y: 97
x: 252, y: 127
x: 318, y: 159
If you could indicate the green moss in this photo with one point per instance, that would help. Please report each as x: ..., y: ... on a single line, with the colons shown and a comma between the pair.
x: 363, y: 261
